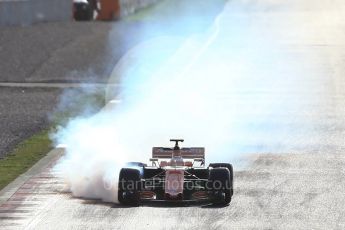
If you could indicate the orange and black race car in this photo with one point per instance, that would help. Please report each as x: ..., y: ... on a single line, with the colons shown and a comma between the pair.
x: 177, y: 175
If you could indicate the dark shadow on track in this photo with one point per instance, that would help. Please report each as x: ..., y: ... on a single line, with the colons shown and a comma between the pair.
x: 215, y: 206
x: 153, y: 204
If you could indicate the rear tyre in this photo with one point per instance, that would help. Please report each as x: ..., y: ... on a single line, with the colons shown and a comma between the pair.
x: 228, y: 166
x: 219, y: 185
x: 129, y: 187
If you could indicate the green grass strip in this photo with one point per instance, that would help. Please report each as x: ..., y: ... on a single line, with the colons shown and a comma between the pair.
x: 24, y: 156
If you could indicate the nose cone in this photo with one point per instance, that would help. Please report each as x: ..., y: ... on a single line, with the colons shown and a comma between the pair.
x: 174, y: 180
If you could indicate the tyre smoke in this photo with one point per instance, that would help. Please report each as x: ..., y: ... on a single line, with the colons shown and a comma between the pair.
x: 207, y: 88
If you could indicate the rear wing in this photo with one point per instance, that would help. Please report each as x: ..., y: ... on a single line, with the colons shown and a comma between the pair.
x: 187, y: 153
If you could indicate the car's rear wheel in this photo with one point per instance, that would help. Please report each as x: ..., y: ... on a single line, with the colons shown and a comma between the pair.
x: 219, y: 185
x: 228, y: 166
x: 129, y: 187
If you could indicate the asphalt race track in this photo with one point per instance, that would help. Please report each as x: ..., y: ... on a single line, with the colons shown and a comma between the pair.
x: 300, y: 186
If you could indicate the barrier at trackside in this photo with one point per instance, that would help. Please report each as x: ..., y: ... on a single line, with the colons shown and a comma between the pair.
x: 27, y: 12
x: 109, y: 10
x: 130, y: 6
x: 115, y: 9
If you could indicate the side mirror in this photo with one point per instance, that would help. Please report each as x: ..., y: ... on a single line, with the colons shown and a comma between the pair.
x: 154, y: 161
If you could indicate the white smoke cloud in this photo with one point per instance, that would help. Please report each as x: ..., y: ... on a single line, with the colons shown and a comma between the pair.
x: 205, y: 88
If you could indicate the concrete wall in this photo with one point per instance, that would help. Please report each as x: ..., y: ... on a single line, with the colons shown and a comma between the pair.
x: 51, y: 10
x: 130, y: 6
x: 26, y: 12
x: 9, y: 9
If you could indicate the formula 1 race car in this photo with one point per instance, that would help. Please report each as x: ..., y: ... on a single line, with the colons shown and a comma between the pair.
x: 176, y: 175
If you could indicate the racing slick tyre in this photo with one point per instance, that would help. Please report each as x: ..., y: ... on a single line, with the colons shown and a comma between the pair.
x: 219, y: 185
x: 129, y: 187
x: 228, y: 166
